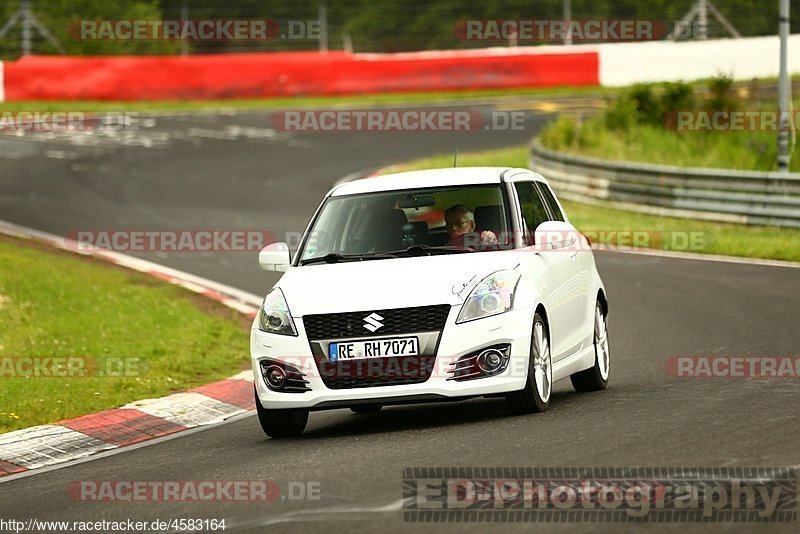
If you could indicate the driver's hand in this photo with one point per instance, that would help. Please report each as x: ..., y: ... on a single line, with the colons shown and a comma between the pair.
x: 488, y: 238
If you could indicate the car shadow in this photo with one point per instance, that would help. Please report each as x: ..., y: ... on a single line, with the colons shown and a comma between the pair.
x: 418, y: 416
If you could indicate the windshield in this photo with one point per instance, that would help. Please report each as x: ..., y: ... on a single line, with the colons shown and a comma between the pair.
x: 387, y: 224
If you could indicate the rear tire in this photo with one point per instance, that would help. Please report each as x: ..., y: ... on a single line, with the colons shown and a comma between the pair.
x: 366, y: 408
x: 281, y: 423
x: 535, y: 396
x: 595, y: 378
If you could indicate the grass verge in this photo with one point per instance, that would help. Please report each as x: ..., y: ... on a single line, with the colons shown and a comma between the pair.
x: 148, y: 337
x: 383, y: 99
x: 743, y: 150
x: 364, y: 100
x: 709, y: 237
x: 643, y: 124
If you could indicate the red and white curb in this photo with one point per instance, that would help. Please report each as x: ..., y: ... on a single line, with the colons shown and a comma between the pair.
x: 46, y: 445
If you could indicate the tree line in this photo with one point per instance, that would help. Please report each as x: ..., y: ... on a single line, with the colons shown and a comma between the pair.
x: 361, y: 25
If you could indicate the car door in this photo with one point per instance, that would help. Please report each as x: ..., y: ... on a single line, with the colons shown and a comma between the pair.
x: 580, y: 253
x: 561, y: 271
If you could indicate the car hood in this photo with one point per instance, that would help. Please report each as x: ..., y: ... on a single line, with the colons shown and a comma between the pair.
x: 388, y: 283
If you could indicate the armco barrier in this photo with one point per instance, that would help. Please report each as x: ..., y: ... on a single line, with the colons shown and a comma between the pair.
x: 292, y: 74
x: 713, y: 194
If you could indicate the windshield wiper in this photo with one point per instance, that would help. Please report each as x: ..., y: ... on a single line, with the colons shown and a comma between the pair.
x: 335, y: 257
x: 429, y: 250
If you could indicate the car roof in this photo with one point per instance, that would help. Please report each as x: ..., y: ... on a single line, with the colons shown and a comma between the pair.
x: 429, y: 178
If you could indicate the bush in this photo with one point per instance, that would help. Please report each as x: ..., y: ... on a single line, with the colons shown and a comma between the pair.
x: 655, y: 104
x: 648, y: 104
x: 721, y: 94
x: 636, y: 127
x: 677, y: 96
x: 561, y: 133
x: 648, y: 108
x: 622, y: 115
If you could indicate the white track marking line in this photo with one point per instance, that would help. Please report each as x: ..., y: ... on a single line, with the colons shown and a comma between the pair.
x: 121, y: 450
x: 318, y: 514
x: 706, y: 257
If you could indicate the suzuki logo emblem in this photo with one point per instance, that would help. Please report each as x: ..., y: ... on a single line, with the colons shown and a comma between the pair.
x: 372, y: 322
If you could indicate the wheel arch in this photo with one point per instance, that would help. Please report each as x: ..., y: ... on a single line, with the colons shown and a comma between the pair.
x: 540, y: 309
x: 601, y: 297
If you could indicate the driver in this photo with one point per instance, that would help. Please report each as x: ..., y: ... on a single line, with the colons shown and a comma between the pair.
x: 460, y: 222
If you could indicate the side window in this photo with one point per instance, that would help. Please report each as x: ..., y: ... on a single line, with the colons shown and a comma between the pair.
x: 533, y: 210
x: 550, y: 200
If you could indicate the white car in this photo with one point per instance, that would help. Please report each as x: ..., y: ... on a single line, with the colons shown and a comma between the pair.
x: 429, y: 286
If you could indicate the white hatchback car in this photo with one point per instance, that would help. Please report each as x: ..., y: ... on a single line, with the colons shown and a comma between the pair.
x: 427, y: 286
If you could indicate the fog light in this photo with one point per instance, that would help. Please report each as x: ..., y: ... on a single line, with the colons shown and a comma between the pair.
x: 490, y: 360
x: 276, y: 377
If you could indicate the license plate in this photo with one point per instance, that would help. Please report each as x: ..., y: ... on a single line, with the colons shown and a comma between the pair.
x: 373, y: 348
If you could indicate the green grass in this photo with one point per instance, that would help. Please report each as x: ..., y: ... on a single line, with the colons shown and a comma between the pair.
x: 56, y: 305
x: 639, y: 125
x: 383, y: 99
x: 652, y: 144
x: 715, y: 238
x: 516, y: 156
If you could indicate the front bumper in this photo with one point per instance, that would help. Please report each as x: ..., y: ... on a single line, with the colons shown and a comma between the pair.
x: 456, y: 340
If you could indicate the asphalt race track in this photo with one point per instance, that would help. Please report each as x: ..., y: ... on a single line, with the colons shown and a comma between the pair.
x: 231, y: 171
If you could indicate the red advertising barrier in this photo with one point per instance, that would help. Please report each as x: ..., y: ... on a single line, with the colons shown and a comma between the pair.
x: 289, y: 74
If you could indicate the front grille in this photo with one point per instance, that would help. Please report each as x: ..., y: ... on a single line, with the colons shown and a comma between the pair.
x: 375, y: 372
x: 395, y: 321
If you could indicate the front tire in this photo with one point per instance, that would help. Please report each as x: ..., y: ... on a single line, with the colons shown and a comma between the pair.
x: 535, y: 396
x: 595, y: 378
x: 281, y: 423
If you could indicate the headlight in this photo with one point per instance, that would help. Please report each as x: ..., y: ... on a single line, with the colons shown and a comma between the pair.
x: 274, y: 316
x: 492, y: 296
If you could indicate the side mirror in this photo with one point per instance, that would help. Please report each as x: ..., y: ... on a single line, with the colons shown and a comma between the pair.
x: 556, y: 234
x: 274, y: 257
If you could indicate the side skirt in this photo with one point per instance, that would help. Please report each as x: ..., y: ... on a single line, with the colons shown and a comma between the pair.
x: 579, y: 361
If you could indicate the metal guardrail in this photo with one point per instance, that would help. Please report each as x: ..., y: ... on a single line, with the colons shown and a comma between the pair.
x: 768, y: 198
